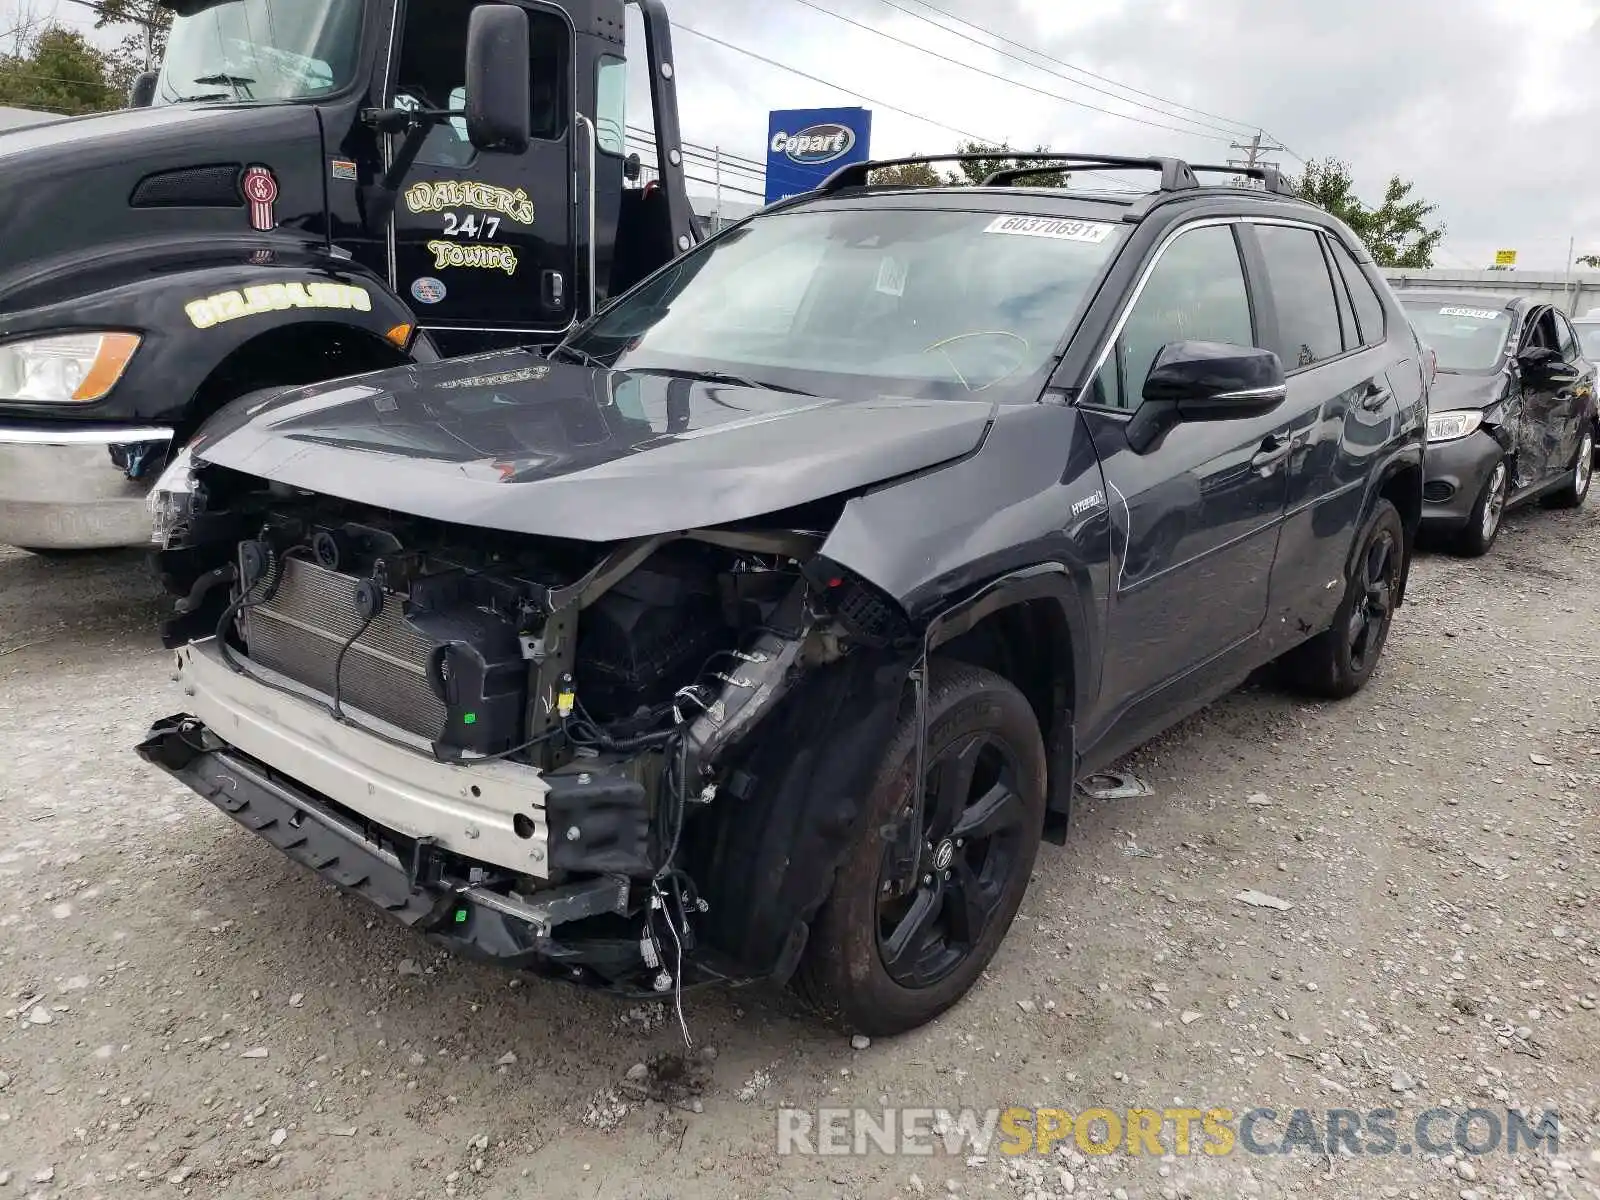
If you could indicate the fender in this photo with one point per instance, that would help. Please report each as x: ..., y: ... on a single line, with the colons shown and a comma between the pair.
x: 204, y: 304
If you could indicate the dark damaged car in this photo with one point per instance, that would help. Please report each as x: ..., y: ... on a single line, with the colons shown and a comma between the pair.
x: 1512, y: 413
x: 762, y: 630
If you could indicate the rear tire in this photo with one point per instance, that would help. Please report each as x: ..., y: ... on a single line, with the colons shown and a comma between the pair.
x: 1483, y: 526
x: 1580, y: 475
x: 1338, y: 662
x: 882, y: 962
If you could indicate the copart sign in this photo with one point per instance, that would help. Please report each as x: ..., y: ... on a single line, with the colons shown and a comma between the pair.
x: 805, y: 146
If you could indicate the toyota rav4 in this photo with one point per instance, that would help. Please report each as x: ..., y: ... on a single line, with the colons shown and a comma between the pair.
x: 764, y: 627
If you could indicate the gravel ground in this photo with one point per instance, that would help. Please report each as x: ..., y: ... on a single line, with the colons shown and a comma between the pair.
x: 186, y: 1013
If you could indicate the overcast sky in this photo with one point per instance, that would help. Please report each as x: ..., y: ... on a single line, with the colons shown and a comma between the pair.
x: 1491, y: 106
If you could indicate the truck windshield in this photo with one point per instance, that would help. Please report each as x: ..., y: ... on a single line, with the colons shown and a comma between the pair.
x: 261, y: 50
x: 859, y: 303
x: 1466, y: 337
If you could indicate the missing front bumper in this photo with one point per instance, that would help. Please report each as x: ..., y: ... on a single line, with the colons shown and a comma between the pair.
x: 420, y: 890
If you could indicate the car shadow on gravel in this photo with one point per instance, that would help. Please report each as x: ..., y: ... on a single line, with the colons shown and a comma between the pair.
x: 77, y: 597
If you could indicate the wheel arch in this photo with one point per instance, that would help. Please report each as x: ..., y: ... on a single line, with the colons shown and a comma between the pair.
x: 1019, y: 628
x: 291, y: 355
x: 1400, y: 482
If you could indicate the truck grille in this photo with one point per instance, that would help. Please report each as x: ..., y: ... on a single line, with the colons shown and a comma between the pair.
x: 299, y: 633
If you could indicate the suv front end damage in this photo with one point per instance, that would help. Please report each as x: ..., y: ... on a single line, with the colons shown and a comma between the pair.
x: 509, y: 742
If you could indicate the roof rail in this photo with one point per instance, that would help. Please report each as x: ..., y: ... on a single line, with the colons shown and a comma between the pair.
x: 1270, y: 176
x: 1175, y: 173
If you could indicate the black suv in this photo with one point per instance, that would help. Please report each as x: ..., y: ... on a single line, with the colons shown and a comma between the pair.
x: 764, y: 627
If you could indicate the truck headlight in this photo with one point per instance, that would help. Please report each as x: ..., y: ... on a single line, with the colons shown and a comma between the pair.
x: 75, y: 368
x: 1453, y: 426
x: 175, y: 499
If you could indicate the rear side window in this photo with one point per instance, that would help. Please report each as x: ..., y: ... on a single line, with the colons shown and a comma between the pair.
x: 1302, y: 290
x: 1196, y: 293
x: 1369, y: 308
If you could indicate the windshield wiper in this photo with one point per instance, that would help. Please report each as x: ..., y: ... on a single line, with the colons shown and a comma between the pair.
x: 204, y: 96
x: 239, y: 83
x: 722, y: 377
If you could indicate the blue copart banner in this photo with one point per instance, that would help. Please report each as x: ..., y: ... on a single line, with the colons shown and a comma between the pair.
x: 805, y: 146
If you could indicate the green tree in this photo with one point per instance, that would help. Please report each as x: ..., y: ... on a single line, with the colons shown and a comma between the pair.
x: 1396, y: 232
x: 1589, y: 260
x: 969, y: 173
x: 56, y: 70
x: 144, y: 25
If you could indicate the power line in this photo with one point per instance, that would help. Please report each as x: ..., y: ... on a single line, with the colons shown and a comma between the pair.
x: 772, y: 62
x: 1069, y: 66
x: 1025, y: 86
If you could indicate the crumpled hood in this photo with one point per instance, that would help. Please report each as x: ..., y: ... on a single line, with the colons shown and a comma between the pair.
x: 509, y: 441
x: 1451, y: 391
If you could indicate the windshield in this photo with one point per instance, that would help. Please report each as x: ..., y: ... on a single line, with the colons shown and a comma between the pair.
x: 261, y: 50
x: 857, y: 303
x: 1588, y: 338
x: 1466, y: 337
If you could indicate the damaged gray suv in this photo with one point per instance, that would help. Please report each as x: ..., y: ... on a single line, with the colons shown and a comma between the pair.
x: 762, y: 629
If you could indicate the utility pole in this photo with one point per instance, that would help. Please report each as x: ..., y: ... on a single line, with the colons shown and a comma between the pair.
x: 1254, y: 149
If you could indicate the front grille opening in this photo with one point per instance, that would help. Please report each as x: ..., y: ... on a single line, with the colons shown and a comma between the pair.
x: 298, y: 633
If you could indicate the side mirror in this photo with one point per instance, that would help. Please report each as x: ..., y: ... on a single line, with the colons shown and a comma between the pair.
x: 630, y: 168
x: 1213, y: 381
x: 499, y: 83
x: 143, y: 92
x: 1539, y: 361
x: 1205, y: 381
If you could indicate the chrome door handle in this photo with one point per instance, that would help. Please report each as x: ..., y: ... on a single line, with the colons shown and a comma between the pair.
x: 1375, y: 398
x: 1274, y: 450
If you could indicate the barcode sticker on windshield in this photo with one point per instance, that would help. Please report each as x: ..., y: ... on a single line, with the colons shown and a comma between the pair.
x: 1478, y: 314
x: 1051, y: 227
x: 892, y: 277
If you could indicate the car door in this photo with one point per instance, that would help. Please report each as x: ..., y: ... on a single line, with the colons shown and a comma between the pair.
x: 1574, y: 390
x: 484, y: 241
x: 1195, y: 516
x: 1538, y: 435
x: 1347, y: 389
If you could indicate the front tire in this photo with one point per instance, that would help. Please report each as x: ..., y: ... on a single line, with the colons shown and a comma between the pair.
x: 1338, y: 662
x: 884, y: 958
x: 1483, y: 525
x: 1575, y: 491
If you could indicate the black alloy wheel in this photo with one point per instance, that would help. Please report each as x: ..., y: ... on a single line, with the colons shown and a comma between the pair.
x: 972, y: 841
x: 889, y: 951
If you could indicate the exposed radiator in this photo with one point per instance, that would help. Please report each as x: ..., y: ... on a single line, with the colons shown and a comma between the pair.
x: 299, y: 633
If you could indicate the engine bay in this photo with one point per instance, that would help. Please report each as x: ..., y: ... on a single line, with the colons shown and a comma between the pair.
x: 630, y: 677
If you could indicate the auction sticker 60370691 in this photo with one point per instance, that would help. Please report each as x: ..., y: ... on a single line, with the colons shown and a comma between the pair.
x: 1051, y: 227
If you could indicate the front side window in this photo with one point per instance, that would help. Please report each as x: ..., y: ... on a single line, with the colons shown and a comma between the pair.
x: 433, y: 67
x: 261, y: 50
x: 611, y: 105
x: 1195, y: 293
x: 1466, y: 336
x: 1302, y: 291
x: 866, y: 302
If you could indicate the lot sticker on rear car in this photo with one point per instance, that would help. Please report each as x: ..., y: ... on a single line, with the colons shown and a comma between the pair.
x: 1480, y: 314
x: 1051, y: 227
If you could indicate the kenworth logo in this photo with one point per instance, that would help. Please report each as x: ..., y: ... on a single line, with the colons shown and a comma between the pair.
x: 816, y: 145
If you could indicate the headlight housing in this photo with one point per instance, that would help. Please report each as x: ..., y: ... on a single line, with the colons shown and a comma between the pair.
x: 1453, y: 426
x: 175, y: 499
x: 74, y: 368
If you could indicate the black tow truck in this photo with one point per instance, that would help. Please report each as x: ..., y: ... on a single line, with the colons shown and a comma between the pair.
x: 308, y: 190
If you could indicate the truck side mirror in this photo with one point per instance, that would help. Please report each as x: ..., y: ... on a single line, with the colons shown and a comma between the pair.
x: 143, y: 92
x: 499, y: 84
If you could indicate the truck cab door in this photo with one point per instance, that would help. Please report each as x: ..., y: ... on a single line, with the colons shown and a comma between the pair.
x: 483, y: 242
